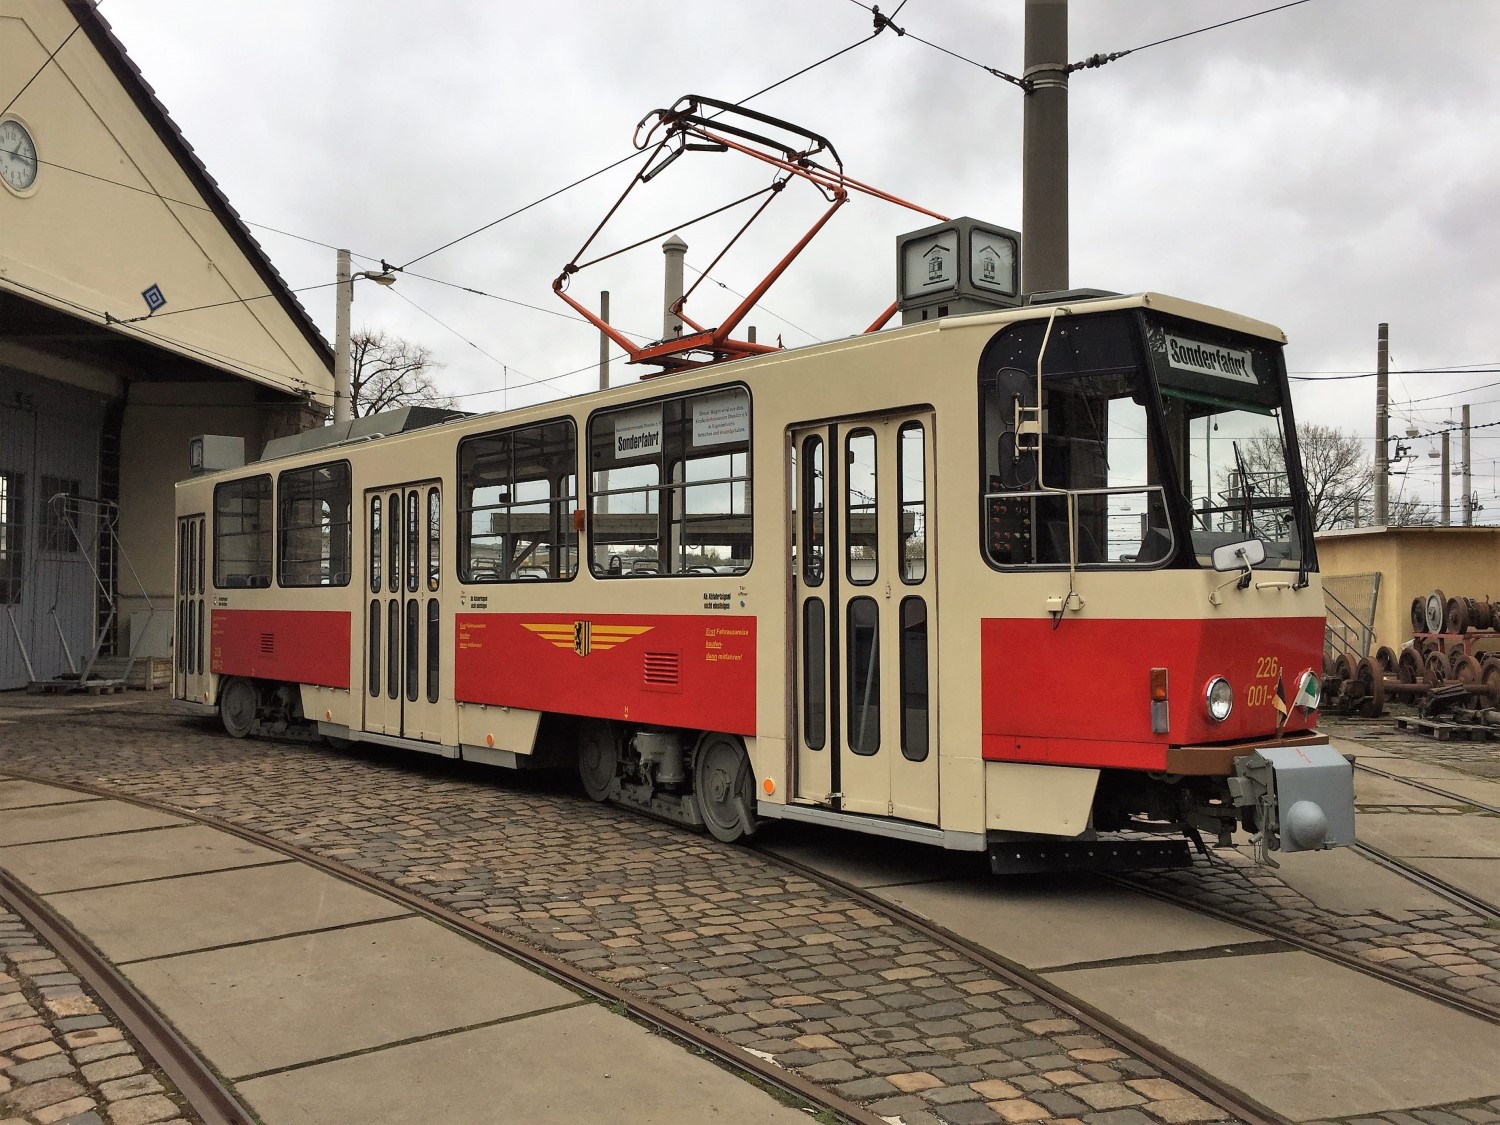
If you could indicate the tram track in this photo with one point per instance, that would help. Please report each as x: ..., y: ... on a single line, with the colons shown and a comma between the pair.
x: 212, y: 1100
x: 197, y: 1082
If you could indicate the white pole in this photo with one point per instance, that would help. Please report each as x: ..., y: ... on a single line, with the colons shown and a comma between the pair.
x: 341, y: 382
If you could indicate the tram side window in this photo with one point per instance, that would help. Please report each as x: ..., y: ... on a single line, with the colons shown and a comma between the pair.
x: 314, y: 527
x: 670, y: 486
x: 517, y: 493
x: 12, y: 528
x: 242, y: 533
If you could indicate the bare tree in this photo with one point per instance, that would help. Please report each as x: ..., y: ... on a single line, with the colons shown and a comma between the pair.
x: 1340, y: 477
x: 386, y: 372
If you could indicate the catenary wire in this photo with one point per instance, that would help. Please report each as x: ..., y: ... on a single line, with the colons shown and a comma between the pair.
x: 884, y: 21
x: 1093, y: 62
x: 610, y: 167
x: 45, y: 64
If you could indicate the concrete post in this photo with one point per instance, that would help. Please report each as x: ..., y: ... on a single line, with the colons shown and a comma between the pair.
x: 1382, y: 422
x: 604, y: 342
x: 1447, y: 491
x: 1468, y: 475
x: 1044, y: 149
x: 344, y: 292
x: 675, y: 252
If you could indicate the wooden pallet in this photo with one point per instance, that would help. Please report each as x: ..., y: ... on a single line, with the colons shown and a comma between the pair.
x: 73, y: 687
x: 1448, y: 732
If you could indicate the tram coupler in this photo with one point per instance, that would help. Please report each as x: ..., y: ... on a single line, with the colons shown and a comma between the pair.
x: 1301, y: 797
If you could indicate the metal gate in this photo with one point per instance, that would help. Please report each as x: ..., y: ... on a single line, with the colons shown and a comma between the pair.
x: 50, y: 438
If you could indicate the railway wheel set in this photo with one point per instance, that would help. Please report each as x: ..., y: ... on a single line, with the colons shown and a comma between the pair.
x: 1453, y: 658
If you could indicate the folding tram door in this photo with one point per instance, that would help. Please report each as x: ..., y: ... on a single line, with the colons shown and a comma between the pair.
x: 190, y: 663
x: 403, y: 609
x: 864, y: 616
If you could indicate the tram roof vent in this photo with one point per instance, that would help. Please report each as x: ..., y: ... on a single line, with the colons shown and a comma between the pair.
x: 399, y: 421
x: 1064, y: 296
x: 955, y: 267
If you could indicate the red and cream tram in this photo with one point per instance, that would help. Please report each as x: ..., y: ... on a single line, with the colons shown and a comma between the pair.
x: 997, y: 582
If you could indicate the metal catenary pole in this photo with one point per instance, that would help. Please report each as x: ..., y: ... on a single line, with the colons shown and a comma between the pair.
x: 1447, y: 498
x: 1044, y: 171
x: 1468, y: 474
x: 1382, y: 421
x: 344, y: 292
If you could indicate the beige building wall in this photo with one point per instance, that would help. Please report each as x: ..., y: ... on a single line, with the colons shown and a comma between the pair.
x: 81, y: 242
x: 1412, y: 562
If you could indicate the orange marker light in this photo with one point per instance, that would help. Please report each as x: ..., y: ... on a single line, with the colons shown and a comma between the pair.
x: 769, y: 786
x: 328, y: 714
x: 489, y: 740
x: 1158, y: 685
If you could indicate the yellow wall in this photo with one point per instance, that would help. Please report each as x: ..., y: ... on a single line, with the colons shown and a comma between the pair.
x: 1412, y: 562
x: 89, y: 247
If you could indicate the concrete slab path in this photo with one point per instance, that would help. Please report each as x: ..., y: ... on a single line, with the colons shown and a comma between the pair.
x: 326, y: 1003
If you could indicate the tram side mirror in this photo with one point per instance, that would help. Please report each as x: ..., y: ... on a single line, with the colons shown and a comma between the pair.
x: 1239, y: 556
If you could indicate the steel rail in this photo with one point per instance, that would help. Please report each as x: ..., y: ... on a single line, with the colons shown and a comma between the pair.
x: 1188, y: 1074
x: 1428, y: 881
x: 1418, y: 783
x: 732, y: 1056
x: 1434, y: 992
x: 194, y: 1079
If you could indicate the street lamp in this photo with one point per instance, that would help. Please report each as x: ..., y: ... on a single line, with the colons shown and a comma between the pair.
x: 345, y: 288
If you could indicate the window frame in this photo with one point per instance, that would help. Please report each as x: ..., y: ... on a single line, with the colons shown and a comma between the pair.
x: 269, y: 532
x: 336, y: 579
x: 666, y: 498
x: 563, y: 536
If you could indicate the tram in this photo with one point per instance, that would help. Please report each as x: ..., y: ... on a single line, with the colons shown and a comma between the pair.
x: 972, y: 582
x: 1003, y: 579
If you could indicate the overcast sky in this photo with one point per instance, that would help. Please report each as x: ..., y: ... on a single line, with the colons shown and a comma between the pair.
x: 1324, y: 168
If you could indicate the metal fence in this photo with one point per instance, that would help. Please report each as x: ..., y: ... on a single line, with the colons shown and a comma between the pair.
x: 1349, y: 603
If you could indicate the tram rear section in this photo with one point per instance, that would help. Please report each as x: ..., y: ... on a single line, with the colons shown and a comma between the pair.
x: 807, y: 585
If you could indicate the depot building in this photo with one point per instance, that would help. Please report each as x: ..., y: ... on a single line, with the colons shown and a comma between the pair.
x: 136, y: 310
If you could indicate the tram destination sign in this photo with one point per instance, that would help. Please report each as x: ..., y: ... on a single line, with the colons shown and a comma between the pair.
x: 1210, y: 359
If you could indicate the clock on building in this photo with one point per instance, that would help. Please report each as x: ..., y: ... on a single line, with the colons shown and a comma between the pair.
x: 18, y: 161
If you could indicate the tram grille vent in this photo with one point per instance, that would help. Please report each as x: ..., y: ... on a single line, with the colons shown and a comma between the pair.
x: 663, y: 669
x: 268, y: 644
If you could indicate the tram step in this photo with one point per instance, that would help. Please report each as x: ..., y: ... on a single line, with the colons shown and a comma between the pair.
x: 1035, y: 857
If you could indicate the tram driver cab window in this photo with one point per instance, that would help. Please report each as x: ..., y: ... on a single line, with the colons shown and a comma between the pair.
x: 670, y: 486
x: 517, y: 493
x: 1091, y: 495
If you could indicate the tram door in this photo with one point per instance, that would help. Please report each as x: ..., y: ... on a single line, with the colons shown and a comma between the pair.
x: 190, y: 661
x: 865, y: 614
x: 403, y: 587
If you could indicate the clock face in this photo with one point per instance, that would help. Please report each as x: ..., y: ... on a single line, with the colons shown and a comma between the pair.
x: 18, y: 162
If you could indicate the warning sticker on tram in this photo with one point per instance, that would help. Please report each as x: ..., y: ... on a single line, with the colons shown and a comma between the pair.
x: 1210, y: 359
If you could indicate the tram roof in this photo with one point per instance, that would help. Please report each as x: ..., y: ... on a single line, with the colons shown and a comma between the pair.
x: 741, y: 369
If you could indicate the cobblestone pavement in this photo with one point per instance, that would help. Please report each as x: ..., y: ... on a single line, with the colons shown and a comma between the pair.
x: 62, y: 1059
x: 783, y: 966
x: 1449, y: 947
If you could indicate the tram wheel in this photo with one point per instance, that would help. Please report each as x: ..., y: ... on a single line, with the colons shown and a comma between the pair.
x: 237, y: 707
x: 1385, y: 660
x: 596, y: 760
x: 724, y: 788
x: 1409, y: 666
x: 1372, y: 705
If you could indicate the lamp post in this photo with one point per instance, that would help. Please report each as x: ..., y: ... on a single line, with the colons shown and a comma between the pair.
x: 342, y: 401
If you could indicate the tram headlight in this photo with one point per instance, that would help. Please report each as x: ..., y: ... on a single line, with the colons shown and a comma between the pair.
x: 1219, y: 698
x: 1309, y: 691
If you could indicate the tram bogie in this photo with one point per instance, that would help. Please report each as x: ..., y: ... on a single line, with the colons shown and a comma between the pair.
x: 818, y: 585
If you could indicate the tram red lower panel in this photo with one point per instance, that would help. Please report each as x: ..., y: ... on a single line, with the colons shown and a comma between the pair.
x: 685, y: 670
x: 1080, y: 694
x: 295, y: 645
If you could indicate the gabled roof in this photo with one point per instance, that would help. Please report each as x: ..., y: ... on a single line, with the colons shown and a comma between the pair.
x: 97, y: 28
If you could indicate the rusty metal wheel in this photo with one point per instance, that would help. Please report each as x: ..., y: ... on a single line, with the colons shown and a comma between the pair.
x: 1330, y: 664
x: 1385, y: 660
x: 1489, y: 687
x: 1372, y: 705
x: 1419, y: 615
x: 1409, y: 666
x: 1348, y: 669
x: 1436, y: 608
x: 1466, y: 671
x: 1437, y: 668
x: 1484, y: 615
x: 1454, y: 655
x: 1456, y: 618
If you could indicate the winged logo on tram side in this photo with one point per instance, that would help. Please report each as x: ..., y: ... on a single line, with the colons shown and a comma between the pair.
x: 583, y: 637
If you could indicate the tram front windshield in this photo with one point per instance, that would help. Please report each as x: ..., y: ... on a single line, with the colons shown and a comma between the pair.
x: 1161, y: 439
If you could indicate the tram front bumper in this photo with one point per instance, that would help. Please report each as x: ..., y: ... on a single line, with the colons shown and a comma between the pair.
x: 1302, y: 797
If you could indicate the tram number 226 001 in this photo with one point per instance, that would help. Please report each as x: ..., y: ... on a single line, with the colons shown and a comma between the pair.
x: 1267, y: 671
